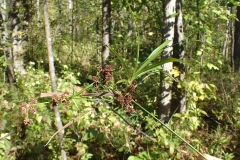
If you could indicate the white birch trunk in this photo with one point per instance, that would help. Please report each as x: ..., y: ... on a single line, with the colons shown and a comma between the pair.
x: 179, y: 103
x: 53, y: 77
x: 164, y: 110
x: 4, y: 42
x: 106, y: 10
x: 19, y: 36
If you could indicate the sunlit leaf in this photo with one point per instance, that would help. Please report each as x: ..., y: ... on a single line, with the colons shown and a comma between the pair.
x: 39, y: 118
x: 151, y: 57
x: 171, y: 148
x: 175, y: 14
x: 133, y: 158
x: 156, y: 65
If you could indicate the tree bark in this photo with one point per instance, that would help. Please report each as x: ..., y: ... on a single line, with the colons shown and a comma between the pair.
x: 237, y: 42
x: 106, y: 13
x: 5, y: 40
x: 232, y: 39
x: 19, y: 34
x: 226, y: 42
x: 179, y: 101
x: 164, y: 110
x: 53, y: 77
x: 14, y: 33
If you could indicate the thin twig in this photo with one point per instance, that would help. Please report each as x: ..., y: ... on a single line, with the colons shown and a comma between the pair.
x: 67, y: 125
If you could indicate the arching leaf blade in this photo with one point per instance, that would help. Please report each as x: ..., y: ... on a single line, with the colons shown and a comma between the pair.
x: 152, y: 56
x: 156, y: 65
x: 126, y: 68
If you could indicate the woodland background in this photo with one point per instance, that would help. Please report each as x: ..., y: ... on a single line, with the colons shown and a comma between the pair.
x: 119, y: 79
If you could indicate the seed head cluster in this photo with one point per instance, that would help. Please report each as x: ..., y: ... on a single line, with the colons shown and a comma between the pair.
x: 61, y: 98
x: 133, y: 86
x: 125, y: 99
x: 106, y: 74
x: 26, y: 108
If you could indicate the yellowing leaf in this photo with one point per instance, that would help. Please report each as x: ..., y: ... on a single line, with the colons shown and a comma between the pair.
x: 171, y: 148
x: 199, y: 53
x: 39, y: 118
x: 179, y: 86
x: 201, y: 97
x: 150, y: 33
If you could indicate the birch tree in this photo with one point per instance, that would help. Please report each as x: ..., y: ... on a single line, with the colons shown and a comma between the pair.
x: 173, y: 31
x: 106, y: 11
x: 19, y: 33
x: 53, y: 76
x: 164, y: 110
x: 179, y: 101
x: 5, y: 41
x: 15, y: 19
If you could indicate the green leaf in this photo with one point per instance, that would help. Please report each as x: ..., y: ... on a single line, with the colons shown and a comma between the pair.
x: 151, y: 57
x: 199, y: 53
x: 171, y: 148
x: 2, y: 126
x: 174, y: 14
x: 133, y: 158
x: 7, y: 63
x: 39, y: 118
x: 126, y: 68
x: 124, y: 81
x: 156, y: 66
x: 211, y: 66
x: 101, y: 137
x: 169, y: 129
x: 81, y: 91
x: 70, y: 113
x: 224, y: 17
x: 90, y: 134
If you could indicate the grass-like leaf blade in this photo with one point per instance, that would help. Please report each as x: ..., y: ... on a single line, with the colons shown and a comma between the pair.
x: 126, y: 68
x: 156, y: 65
x: 151, y: 57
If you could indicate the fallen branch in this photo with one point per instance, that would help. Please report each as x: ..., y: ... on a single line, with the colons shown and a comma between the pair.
x: 84, y: 94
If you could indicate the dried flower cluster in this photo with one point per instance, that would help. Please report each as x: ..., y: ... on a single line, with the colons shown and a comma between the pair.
x: 25, y: 108
x: 96, y: 82
x: 55, y: 98
x: 133, y: 86
x: 27, y: 122
x: 61, y: 98
x: 106, y: 74
x: 125, y: 99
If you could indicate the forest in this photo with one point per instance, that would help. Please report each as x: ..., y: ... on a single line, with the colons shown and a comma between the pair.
x: 119, y: 79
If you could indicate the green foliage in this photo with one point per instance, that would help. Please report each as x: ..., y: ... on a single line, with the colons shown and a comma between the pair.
x: 146, y: 66
x: 102, y: 131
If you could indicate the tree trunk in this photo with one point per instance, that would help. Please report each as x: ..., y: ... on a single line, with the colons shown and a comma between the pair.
x: 19, y: 34
x: 179, y: 101
x: 106, y: 13
x: 232, y: 39
x: 237, y: 42
x: 14, y: 33
x: 53, y: 76
x: 226, y: 42
x: 5, y: 41
x: 164, y: 110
